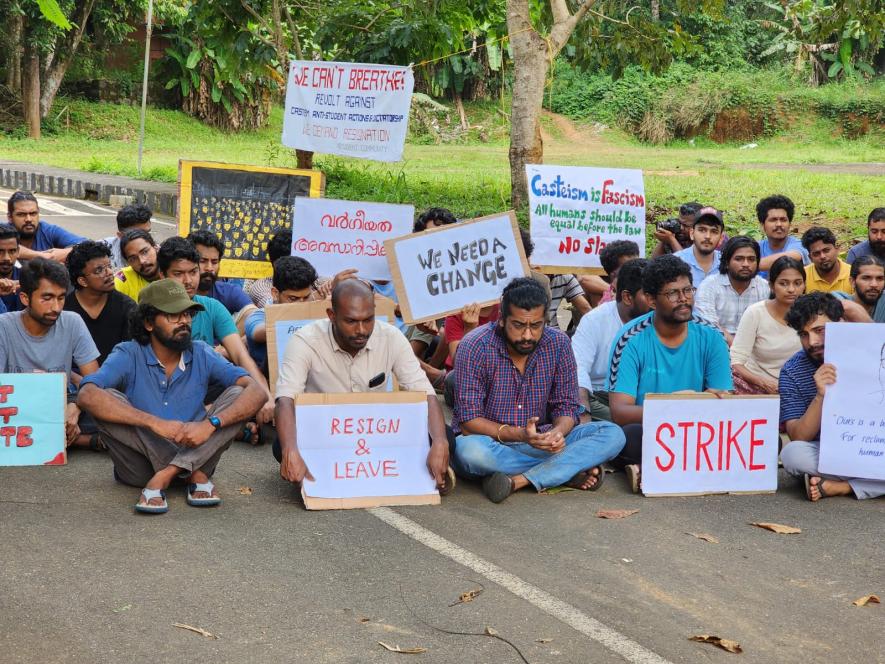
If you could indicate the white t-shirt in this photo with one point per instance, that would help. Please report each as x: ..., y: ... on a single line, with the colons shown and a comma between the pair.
x: 592, y: 344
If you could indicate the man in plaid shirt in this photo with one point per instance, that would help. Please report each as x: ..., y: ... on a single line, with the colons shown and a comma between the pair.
x: 517, y: 408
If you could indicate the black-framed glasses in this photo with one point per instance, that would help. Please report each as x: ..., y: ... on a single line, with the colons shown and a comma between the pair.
x: 185, y: 315
x: 673, y: 295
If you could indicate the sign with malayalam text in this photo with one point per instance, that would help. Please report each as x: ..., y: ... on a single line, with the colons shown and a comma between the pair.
x: 32, y: 419
x: 698, y: 444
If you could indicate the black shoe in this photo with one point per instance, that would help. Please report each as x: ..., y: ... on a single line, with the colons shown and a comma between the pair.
x: 497, y: 487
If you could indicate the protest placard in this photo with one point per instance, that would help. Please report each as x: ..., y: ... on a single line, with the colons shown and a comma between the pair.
x: 364, y: 450
x: 332, y: 235
x: 575, y: 211
x: 439, y: 271
x: 244, y: 205
x: 348, y: 108
x: 852, y: 433
x: 32, y: 419
x: 284, y: 320
x: 698, y: 443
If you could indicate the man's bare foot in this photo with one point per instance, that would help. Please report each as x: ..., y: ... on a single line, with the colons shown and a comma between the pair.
x: 161, y: 480
x: 587, y: 480
x: 818, y: 488
x: 518, y: 482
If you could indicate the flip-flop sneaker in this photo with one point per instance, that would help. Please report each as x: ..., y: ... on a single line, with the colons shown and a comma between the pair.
x: 152, y: 509
x: 207, y: 487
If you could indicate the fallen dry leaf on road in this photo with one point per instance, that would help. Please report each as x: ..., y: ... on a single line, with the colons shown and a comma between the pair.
x: 867, y: 599
x: 705, y: 537
x: 777, y: 528
x: 245, y: 490
x: 615, y: 514
x: 725, y: 644
x: 365, y: 620
x: 198, y: 630
x: 544, y: 640
x: 468, y: 596
x: 404, y: 651
x: 491, y: 631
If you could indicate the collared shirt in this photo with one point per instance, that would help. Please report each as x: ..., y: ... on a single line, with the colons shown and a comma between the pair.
x: 117, y: 260
x: 49, y: 236
x: 135, y: 370
x: 814, y: 282
x: 230, y: 294
x: 791, y: 244
x: 698, y: 274
x: 719, y: 303
x: 490, y: 386
x: 129, y: 282
x: 796, y: 386
x: 314, y: 362
x: 592, y: 343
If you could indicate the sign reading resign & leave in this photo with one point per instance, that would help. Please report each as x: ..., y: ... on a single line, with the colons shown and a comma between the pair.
x: 347, y: 108
x: 576, y: 210
x: 698, y: 443
x: 364, y: 450
x: 332, y: 235
x: 440, y: 271
x: 852, y: 433
x: 32, y: 419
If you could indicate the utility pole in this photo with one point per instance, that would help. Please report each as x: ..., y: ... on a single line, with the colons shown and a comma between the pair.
x: 144, y: 84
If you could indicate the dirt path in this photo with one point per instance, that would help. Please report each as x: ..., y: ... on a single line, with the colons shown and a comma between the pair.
x: 870, y: 168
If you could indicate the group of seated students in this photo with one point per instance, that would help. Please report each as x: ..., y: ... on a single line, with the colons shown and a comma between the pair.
x: 167, y: 363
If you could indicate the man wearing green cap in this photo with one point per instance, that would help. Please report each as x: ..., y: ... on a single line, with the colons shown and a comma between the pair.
x: 148, y: 401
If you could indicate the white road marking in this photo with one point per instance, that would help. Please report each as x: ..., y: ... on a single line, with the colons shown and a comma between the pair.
x: 562, y: 611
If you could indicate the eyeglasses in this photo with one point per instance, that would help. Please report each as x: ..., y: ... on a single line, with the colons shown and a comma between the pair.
x: 187, y: 314
x: 686, y: 293
x: 102, y: 270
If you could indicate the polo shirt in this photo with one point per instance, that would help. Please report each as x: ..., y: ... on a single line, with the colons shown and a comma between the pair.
x: 231, y: 295
x: 135, y: 370
x: 698, y: 274
x: 49, y: 236
x: 860, y: 249
x: 792, y: 244
x: 129, y: 282
x: 212, y: 324
x: 796, y: 386
x: 814, y: 282
x: 12, y: 301
x: 719, y: 303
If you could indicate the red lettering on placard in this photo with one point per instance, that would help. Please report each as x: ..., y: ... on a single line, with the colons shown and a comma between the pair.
x: 6, y: 413
x: 702, y: 447
x: 23, y: 437
x: 6, y: 433
x: 669, y: 465
x: 685, y: 426
x: 335, y: 428
x: 721, y: 438
x: 390, y: 468
x: 733, y: 441
x: 755, y: 442
x: 354, y: 470
x: 5, y: 391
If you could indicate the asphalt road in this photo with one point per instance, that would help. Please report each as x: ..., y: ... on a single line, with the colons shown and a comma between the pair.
x: 84, y: 579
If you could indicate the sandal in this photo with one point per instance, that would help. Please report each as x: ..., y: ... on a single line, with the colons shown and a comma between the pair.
x: 449, y: 482
x: 147, y: 508
x: 578, y: 480
x: 97, y: 444
x: 819, y: 485
x: 207, y: 487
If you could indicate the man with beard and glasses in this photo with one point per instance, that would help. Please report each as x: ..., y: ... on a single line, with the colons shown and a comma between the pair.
x: 775, y: 214
x: 517, y: 407
x: 875, y: 243
x: 352, y: 352
x: 668, y: 350
x: 140, y: 253
x: 148, y: 397
x: 827, y: 272
x: 211, y: 250
x: 702, y: 256
x: 42, y: 338
x: 723, y: 298
x: 37, y: 238
x: 9, y: 300
x: 803, y: 383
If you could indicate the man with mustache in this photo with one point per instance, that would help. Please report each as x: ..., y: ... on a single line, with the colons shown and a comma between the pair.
x: 517, y: 408
x: 211, y: 250
x: 148, y: 401
x: 827, y: 272
x: 129, y: 217
x: 140, y: 253
x: 875, y: 242
x: 866, y: 281
x: 9, y: 300
x: 803, y: 383
x: 702, y: 256
x: 775, y: 214
x: 669, y: 349
x: 37, y: 238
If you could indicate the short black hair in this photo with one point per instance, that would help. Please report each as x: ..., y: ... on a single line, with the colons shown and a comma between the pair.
x: 293, y: 273
x: 861, y: 261
x: 527, y: 245
x: 441, y: 216
x: 878, y: 214
x: 523, y: 293
x: 135, y: 234
x: 780, y: 265
x: 8, y: 232
x: 42, y: 268
x: 81, y: 254
x: 807, y: 307
x: 731, y: 248
x: 130, y: 215
x: 613, y: 252
x: 691, y: 208
x: 143, y: 313
x: 776, y: 202
x: 630, y: 277
x: 207, y: 239
x: 176, y: 249
x: 18, y: 197
x: 279, y: 245
x: 818, y: 234
x: 661, y: 271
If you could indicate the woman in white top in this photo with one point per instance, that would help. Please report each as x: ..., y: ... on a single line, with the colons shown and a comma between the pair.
x: 764, y: 341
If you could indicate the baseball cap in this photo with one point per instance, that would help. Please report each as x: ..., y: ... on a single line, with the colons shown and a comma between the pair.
x: 169, y: 296
x: 710, y: 215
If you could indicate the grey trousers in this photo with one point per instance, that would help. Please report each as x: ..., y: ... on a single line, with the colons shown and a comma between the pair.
x: 138, y: 453
x: 800, y: 457
x: 599, y: 407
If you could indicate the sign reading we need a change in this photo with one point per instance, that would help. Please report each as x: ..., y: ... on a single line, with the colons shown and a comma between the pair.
x: 698, y: 443
x: 347, y: 108
x: 364, y: 450
x: 332, y: 234
x: 32, y: 419
x: 576, y: 210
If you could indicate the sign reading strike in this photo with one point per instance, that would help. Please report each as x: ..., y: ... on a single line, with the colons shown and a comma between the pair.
x: 575, y: 211
x: 332, y: 234
x: 32, y: 419
x: 364, y: 450
x: 698, y: 443
x: 440, y: 271
x: 346, y: 108
x: 852, y: 434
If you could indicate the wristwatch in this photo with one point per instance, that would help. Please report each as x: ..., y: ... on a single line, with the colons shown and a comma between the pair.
x: 215, y: 422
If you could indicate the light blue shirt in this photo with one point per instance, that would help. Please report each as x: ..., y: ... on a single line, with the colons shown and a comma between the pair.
x: 388, y: 291
x: 792, y: 244
x: 697, y: 272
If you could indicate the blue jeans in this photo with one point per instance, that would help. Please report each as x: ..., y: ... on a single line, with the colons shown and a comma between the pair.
x: 586, y: 446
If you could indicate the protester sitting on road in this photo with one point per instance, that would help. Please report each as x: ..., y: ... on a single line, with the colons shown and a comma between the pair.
x: 764, y: 341
x: 211, y: 250
x: 129, y: 217
x: 42, y: 338
x: 597, y: 330
x: 775, y: 214
x: 612, y: 257
x: 723, y: 298
x: 875, y: 243
x: 803, y: 383
x: 457, y: 326
x: 566, y: 287
x: 140, y: 253
x: 38, y: 238
x: 352, y: 352
x: 702, y: 256
x: 667, y: 350
x: 279, y: 245
x: 148, y: 399
x: 9, y: 300
x: 867, y: 281
x: 517, y: 407
x: 827, y: 272
x: 670, y: 242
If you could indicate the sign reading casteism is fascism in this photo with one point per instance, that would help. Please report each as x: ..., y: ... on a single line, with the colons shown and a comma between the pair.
x: 244, y: 205
x: 575, y: 211
x: 32, y: 419
x: 348, y: 108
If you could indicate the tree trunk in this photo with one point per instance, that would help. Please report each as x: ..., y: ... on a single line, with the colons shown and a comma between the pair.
x: 31, y: 90
x: 63, y: 54
x: 14, y: 58
x: 305, y: 158
x: 462, y: 114
x: 656, y: 11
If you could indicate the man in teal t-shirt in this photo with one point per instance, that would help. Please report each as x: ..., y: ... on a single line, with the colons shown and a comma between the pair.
x: 667, y: 350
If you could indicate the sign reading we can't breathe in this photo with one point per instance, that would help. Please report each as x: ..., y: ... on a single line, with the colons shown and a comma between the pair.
x: 32, y: 419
